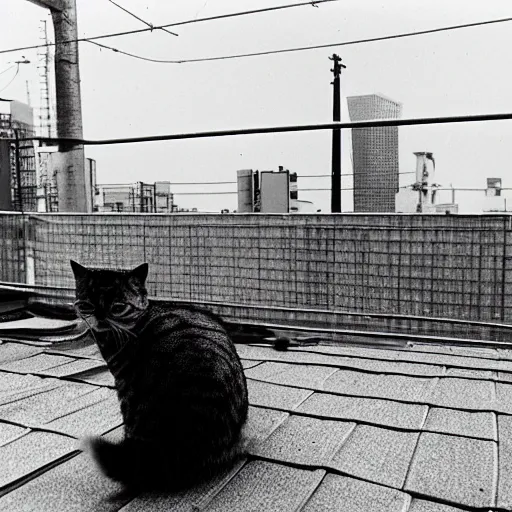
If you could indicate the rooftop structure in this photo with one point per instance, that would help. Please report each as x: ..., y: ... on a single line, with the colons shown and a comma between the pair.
x: 375, y: 153
x: 137, y: 197
x: 270, y: 192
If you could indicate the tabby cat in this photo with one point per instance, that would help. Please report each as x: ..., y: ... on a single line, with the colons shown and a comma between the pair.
x: 179, y: 380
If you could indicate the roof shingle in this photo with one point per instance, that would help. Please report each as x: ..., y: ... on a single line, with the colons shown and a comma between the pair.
x: 457, y: 469
x: 366, y: 410
x: 265, y: 486
x: 338, y: 493
x: 305, y: 441
x: 330, y: 428
x: 377, y: 454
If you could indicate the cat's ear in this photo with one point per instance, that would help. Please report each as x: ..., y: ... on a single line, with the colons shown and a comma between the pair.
x: 140, y: 273
x: 78, y: 269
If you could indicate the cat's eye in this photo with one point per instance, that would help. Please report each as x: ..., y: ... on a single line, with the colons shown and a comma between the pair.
x: 120, y: 309
x: 84, y: 307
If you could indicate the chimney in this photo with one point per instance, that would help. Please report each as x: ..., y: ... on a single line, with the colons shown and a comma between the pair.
x: 425, y: 179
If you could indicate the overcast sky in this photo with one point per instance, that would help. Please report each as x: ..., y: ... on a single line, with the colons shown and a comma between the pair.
x: 461, y: 72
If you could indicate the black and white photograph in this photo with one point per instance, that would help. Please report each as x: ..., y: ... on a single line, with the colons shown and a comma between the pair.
x: 255, y: 255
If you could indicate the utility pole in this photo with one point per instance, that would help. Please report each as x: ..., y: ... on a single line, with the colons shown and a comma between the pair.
x: 70, y: 161
x: 336, y: 137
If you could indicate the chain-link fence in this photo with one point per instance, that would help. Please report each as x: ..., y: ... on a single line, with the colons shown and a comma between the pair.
x: 12, y: 247
x: 313, y: 270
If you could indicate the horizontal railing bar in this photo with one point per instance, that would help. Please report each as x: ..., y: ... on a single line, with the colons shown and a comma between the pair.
x: 378, y: 334
x: 35, y: 288
x: 279, y: 129
x: 253, y: 214
x: 346, y: 313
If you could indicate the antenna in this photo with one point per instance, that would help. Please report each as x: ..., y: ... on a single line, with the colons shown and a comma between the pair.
x: 43, y: 67
x: 28, y: 93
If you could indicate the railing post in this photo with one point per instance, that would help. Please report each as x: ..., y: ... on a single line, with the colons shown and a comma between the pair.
x: 28, y: 242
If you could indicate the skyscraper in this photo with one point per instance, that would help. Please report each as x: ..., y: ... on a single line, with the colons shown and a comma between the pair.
x: 375, y: 153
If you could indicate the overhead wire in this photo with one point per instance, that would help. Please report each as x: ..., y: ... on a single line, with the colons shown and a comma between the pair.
x: 311, y: 47
x: 346, y: 43
x: 300, y: 48
x: 7, y: 69
x: 175, y: 24
x: 235, y: 182
x: 12, y: 79
x: 150, y: 25
x: 323, y: 189
x: 128, y: 54
x: 92, y: 39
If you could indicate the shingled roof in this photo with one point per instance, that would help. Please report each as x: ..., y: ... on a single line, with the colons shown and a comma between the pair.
x: 421, y: 428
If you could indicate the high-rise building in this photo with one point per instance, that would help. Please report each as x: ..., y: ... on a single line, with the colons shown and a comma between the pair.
x: 375, y: 153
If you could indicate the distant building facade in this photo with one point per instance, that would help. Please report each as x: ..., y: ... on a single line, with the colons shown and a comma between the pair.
x: 137, y: 197
x: 269, y: 192
x: 375, y: 153
x: 494, y: 201
x: 35, y: 188
x: 18, y: 118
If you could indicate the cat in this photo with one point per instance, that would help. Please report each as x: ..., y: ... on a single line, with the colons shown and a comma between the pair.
x: 179, y: 381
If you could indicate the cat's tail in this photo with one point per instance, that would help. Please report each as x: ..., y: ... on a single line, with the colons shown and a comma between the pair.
x: 140, y: 464
x: 115, y: 460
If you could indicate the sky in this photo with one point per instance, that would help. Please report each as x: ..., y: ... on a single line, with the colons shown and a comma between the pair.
x: 461, y: 72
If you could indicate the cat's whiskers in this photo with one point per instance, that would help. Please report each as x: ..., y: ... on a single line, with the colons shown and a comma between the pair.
x: 121, y: 327
x: 118, y: 336
x: 121, y: 333
x: 91, y: 330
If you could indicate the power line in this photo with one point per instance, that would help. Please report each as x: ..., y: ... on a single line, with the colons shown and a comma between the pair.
x: 128, y: 54
x: 175, y: 183
x: 447, y: 189
x: 313, y: 47
x: 180, y: 183
x: 176, y: 24
x: 150, y: 25
x: 7, y: 69
x: 349, y: 43
x: 210, y: 192
x: 345, y: 174
x: 204, y: 193
x: 281, y: 129
x: 322, y: 189
x: 12, y: 79
x: 204, y: 183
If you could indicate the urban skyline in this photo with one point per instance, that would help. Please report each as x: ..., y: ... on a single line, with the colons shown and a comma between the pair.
x: 430, y: 75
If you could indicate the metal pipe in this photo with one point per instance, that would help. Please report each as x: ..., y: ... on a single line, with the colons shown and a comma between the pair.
x: 282, y: 129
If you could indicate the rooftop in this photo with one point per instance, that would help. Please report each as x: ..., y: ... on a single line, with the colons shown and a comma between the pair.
x: 419, y: 428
